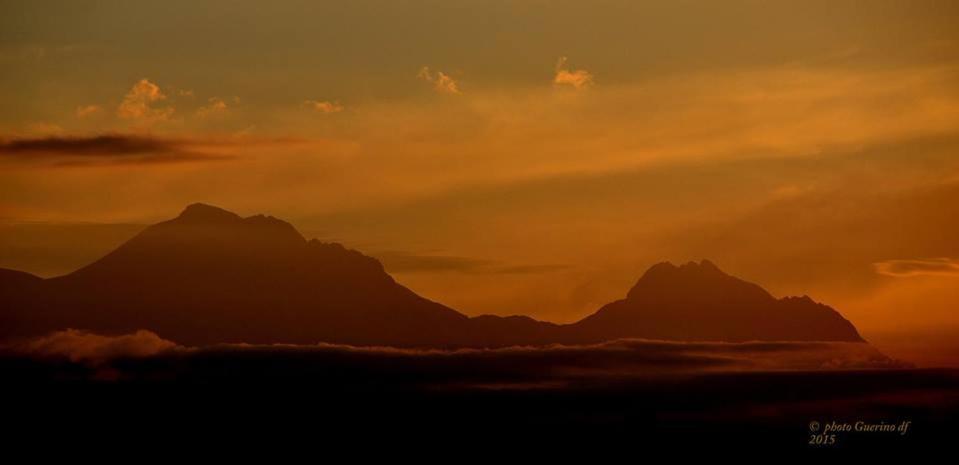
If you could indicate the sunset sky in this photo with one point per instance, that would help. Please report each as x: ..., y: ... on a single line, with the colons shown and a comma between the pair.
x: 510, y: 157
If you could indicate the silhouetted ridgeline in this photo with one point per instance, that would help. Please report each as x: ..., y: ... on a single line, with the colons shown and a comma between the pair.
x: 210, y: 276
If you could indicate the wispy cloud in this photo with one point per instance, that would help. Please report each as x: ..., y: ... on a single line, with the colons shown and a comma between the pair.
x: 323, y: 106
x: 110, y: 148
x: 82, y: 346
x: 577, y: 78
x: 140, y: 103
x: 520, y: 365
x: 403, y: 262
x: 918, y: 267
x: 400, y: 262
x: 441, y: 81
x: 85, y: 111
x: 215, y: 107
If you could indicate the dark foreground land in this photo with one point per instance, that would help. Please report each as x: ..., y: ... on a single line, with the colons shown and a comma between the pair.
x: 314, y: 398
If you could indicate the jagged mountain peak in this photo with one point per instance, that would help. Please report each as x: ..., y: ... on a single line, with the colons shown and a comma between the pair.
x: 702, y: 277
x: 201, y: 212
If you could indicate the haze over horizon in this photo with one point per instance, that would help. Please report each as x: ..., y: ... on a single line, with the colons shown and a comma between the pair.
x: 510, y: 157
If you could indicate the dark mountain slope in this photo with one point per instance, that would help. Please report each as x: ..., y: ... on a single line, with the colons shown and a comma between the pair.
x: 211, y: 276
x: 697, y: 301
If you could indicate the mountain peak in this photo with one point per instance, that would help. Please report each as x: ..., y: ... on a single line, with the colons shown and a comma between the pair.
x: 205, y: 213
x: 698, y: 301
x: 665, y: 275
x: 703, y: 265
x: 225, y: 222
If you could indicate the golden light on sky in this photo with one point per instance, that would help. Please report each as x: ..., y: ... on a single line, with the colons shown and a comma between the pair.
x: 509, y: 157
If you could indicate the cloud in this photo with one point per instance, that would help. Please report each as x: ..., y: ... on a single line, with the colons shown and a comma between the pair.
x: 82, y: 346
x: 323, y: 106
x: 441, y: 81
x: 529, y: 269
x: 918, y: 267
x: 85, y: 111
x: 110, y: 148
x: 215, y: 107
x: 520, y: 366
x: 139, y: 103
x: 402, y: 262
x: 577, y: 79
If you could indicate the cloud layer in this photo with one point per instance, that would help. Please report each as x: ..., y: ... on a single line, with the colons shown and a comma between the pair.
x: 404, y: 262
x: 82, y: 346
x: 918, y: 267
x: 100, y: 149
x: 482, y: 367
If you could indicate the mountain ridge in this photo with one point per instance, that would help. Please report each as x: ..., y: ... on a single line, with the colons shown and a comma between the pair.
x: 210, y: 276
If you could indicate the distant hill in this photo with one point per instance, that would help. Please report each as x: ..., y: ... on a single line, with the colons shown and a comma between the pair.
x: 697, y: 301
x: 210, y: 276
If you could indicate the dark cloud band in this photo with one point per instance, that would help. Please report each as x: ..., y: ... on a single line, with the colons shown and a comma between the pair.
x: 403, y: 262
x: 107, y: 148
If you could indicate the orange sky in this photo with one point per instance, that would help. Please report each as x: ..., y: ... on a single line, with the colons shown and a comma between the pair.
x: 510, y: 157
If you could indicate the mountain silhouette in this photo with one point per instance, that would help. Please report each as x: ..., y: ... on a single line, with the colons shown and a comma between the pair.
x: 210, y: 276
x: 697, y: 301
